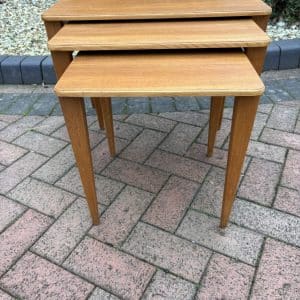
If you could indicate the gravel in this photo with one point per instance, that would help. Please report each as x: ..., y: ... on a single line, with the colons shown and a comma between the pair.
x: 22, y: 30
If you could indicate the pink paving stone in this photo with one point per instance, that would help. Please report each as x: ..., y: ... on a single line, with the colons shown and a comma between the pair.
x: 189, y: 117
x: 101, y: 155
x: 291, y: 172
x: 259, y: 183
x: 9, y: 153
x: 106, y: 188
x: 2, y: 125
x: 180, y: 138
x: 297, y: 128
x: 288, y: 200
x: 110, y: 268
x: 5, y: 296
x: 99, y: 294
x: 226, y: 278
x: 140, y: 176
x: 281, y: 138
x: 171, y: 203
x: 50, y: 124
x: 9, y: 210
x: 258, y: 126
x: 126, y: 131
x: 278, y: 275
x: 151, y: 121
x: 16, y: 239
x: 143, y: 145
x: 167, y: 251
x: 169, y: 287
x: 20, y: 169
x: 122, y: 215
x: 178, y: 165
x: 36, y: 278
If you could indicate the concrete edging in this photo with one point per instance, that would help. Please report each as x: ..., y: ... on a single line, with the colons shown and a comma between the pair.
x: 281, y: 55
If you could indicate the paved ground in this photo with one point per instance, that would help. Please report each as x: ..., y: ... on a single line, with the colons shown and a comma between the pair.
x: 160, y: 201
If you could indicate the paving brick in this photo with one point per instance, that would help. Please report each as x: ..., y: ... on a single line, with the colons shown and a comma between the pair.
x: 119, y: 106
x: 138, y: 105
x: 10, y: 210
x: 40, y: 143
x: 280, y: 138
x: 44, y: 104
x: 151, y: 121
x: 292, y: 85
x: 170, y: 287
x: 36, y: 278
x: 50, y: 124
x: 18, y: 128
x: 101, y: 155
x: 259, y: 183
x: 171, y: 203
x: 140, y: 176
x: 291, y: 172
x: 60, y: 239
x: 31, y: 70
x: 49, y: 76
x: 109, y: 268
x: 126, y: 131
x: 283, y: 118
x: 236, y: 242
x: 278, y: 275
x: 2, y: 125
x: 3, y: 295
x: 106, y: 188
x: 226, y: 279
x: 258, y: 126
x: 19, y: 170
x: 16, y: 239
x: 143, y: 145
x: 22, y: 104
x: 265, y: 151
x: 121, y: 216
x: 297, y: 128
x: 186, y: 104
x: 10, y: 153
x: 99, y: 294
x: 42, y: 197
x: 198, y: 152
x: 275, y: 92
x: 288, y: 200
x: 180, y: 138
x: 57, y: 166
x: 265, y: 108
x: 168, y: 251
x: 7, y: 100
x: 11, y: 70
x: 178, y: 165
x: 162, y: 104
x: 189, y: 117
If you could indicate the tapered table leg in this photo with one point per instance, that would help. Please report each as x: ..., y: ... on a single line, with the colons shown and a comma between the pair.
x: 244, y: 112
x: 96, y: 102
x: 75, y: 118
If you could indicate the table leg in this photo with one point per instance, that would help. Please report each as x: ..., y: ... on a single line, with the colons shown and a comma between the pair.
x: 244, y: 112
x: 75, y: 119
x: 96, y: 102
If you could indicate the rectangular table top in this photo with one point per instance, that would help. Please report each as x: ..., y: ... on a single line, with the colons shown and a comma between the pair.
x: 68, y: 10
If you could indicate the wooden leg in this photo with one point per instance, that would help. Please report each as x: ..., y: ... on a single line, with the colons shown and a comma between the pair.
x: 96, y: 102
x: 244, y: 112
x: 75, y: 118
x: 215, y: 120
x: 257, y: 57
x: 108, y: 123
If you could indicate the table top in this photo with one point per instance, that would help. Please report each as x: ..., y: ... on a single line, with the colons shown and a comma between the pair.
x: 179, y: 73
x: 68, y: 10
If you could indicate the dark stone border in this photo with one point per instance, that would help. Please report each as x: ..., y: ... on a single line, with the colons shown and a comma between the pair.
x: 281, y: 55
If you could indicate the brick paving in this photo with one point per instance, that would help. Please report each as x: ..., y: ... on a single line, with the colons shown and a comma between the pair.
x: 160, y: 202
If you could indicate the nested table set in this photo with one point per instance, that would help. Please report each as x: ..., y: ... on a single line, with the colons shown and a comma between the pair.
x: 131, y: 48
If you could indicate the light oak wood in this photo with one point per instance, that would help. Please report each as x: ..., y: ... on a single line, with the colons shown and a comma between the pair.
x: 242, y: 122
x: 96, y: 102
x: 68, y: 10
x: 158, y: 74
x: 257, y: 58
x: 52, y: 28
x: 75, y: 118
x: 159, y: 35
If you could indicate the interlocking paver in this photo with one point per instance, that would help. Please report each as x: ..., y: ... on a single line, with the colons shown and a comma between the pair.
x: 36, y: 278
x: 121, y: 216
x: 110, y: 268
x: 291, y: 172
x: 50, y: 125
x: 226, y: 278
x: 126, y: 131
x: 180, y: 138
x: 168, y: 251
x: 171, y: 203
x: 41, y: 196
x: 278, y: 275
x: 189, y: 117
x: 5, y: 296
x: 236, y: 242
x: 99, y: 294
x: 106, y: 188
x: 143, y: 145
x: 169, y: 287
x: 10, y: 153
x: 2, y: 125
x: 19, y: 170
x: 297, y: 127
x: 10, y: 118
x: 288, y: 200
x: 9, y: 211
x: 40, y: 143
x: 162, y: 104
x: 140, y: 176
x: 258, y: 126
x: 15, y: 240
x: 186, y: 104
